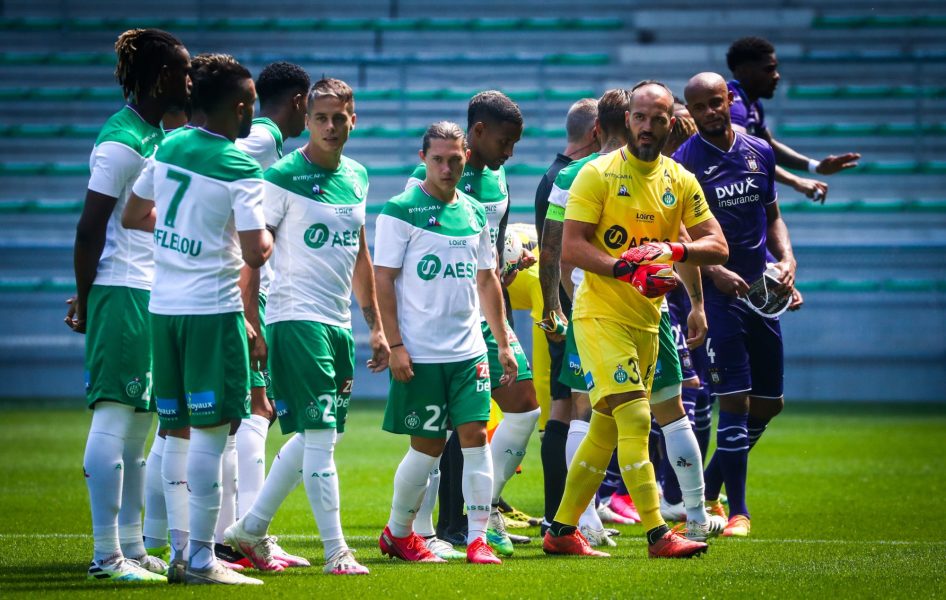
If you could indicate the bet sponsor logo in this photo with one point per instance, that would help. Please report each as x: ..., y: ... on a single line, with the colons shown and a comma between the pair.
x: 319, y: 234
x: 428, y: 267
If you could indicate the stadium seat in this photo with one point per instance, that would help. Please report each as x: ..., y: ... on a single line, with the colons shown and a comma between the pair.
x: 879, y: 22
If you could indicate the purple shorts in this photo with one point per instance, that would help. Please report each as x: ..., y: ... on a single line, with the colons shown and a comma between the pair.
x: 743, y: 350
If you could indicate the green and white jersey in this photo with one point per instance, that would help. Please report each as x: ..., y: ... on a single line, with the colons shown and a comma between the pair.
x: 265, y: 145
x: 439, y: 249
x: 558, y: 198
x: 318, y: 216
x: 205, y: 190
x: 121, y: 149
x: 486, y: 186
x: 264, y: 142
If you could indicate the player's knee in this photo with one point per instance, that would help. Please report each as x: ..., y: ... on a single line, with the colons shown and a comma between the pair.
x: 472, y: 435
x: 517, y: 397
x: 734, y: 403
x: 431, y: 446
x: 767, y: 408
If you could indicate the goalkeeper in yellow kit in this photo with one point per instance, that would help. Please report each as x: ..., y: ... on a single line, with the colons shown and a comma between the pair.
x: 623, y: 218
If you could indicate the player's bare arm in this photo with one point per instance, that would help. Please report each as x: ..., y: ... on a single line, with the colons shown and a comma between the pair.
x: 363, y: 286
x: 491, y: 299
x: 257, y: 246
x: 696, y: 320
x: 249, y: 291
x: 139, y: 214
x: 90, y: 241
x: 780, y: 246
x: 550, y: 274
x: 400, y: 360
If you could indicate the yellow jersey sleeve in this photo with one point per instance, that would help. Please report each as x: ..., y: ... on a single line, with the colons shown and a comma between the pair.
x: 695, y: 208
x: 587, y: 195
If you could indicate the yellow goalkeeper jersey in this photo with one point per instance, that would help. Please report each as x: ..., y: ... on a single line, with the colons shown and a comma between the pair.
x: 632, y: 202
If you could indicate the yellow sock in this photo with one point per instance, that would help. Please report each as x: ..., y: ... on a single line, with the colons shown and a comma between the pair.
x: 588, y: 468
x: 633, y: 424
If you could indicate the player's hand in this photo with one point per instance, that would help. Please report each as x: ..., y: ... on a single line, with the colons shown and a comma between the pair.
x: 507, y: 358
x: 507, y: 278
x: 402, y: 367
x: 728, y: 282
x: 259, y: 354
x: 380, y: 352
x: 75, y: 315
x: 812, y: 188
x: 832, y: 164
x: 786, y: 278
x: 526, y: 260
x: 696, y: 329
x: 652, y: 252
x: 654, y: 280
x: 555, y: 325
x: 797, y: 300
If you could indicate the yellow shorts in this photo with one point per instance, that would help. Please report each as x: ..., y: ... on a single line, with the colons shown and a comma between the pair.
x: 616, y: 357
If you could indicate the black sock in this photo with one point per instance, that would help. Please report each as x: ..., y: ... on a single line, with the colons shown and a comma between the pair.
x: 448, y: 472
x: 557, y: 529
x: 656, y: 533
x: 554, y: 468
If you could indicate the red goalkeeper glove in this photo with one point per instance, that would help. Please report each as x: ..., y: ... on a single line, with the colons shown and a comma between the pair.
x: 652, y: 252
x: 653, y: 281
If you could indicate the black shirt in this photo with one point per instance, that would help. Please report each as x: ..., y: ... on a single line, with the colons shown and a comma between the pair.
x: 545, y: 188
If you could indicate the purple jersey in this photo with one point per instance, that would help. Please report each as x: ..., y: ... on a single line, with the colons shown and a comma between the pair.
x: 749, y: 116
x: 737, y: 185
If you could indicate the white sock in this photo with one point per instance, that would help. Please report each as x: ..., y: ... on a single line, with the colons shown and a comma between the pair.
x: 204, y: 473
x: 508, y: 446
x: 156, y: 513
x: 228, y: 489
x: 577, y: 430
x: 284, y: 475
x: 321, y: 487
x: 684, y: 454
x: 477, y: 490
x: 590, y: 516
x: 104, y: 467
x: 251, y: 460
x: 424, y: 521
x: 176, y: 497
x: 133, y: 486
x: 410, y: 484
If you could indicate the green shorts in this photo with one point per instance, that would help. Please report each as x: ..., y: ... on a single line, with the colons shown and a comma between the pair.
x: 458, y: 391
x: 312, y: 365
x: 492, y: 353
x: 118, y: 347
x: 201, y: 369
x: 572, y: 375
x: 261, y: 378
x: 667, y: 372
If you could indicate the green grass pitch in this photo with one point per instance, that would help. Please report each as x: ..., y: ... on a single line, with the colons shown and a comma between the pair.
x: 845, y: 499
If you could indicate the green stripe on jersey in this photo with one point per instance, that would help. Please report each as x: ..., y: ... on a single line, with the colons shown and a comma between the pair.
x: 273, y: 130
x: 128, y: 128
x: 347, y: 184
x: 461, y: 218
x: 486, y: 185
x: 190, y: 150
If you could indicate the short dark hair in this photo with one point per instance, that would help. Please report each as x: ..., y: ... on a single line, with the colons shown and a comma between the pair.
x: 331, y: 88
x: 612, y: 107
x: 444, y: 130
x: 216, y: 77
x: 748, y: 50
x: 280, y: 79
x: 141, y: 54
x: 493, y: 106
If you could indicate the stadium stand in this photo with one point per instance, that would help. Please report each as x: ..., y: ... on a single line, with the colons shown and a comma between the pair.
x: 870, y: 81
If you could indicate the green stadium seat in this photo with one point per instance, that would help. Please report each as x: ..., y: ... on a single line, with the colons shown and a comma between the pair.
x: 865, y: 92
x: 879, y: 22
x: 859, y: 129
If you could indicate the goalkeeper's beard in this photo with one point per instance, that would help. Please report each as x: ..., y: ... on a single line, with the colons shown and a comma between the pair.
x: 650, y: 152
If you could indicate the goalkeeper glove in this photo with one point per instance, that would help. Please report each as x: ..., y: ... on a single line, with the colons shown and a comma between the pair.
x: 653, y: 281
x: 652, y: 252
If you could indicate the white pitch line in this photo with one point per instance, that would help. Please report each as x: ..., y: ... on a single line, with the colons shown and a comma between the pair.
x: 369, y: 538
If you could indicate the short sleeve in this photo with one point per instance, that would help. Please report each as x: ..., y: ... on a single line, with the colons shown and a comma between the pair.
x: 114, y: 168
x: 144, y: 185
x: 586, y: 196
x: 485, y: 257
x: 260, y: 145
x: 739, y: 112
x: 391, y: 237
x: 558, y: 196
x: 274, y: 204
x: 246, y: 200
x: 695, y: 208
x: 771, y: 192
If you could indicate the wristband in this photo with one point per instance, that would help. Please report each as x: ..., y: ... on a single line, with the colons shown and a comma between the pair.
x: 679, y: 252
x: 813, y: 166
x: 393, y: 346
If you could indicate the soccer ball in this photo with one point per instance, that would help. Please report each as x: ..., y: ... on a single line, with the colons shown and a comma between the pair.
x: 512, y: 251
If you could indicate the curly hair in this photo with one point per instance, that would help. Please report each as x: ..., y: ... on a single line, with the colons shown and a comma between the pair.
x: 141, y: 54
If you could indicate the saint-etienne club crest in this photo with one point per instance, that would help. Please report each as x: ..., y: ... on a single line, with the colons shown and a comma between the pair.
x: 751, y: 162
x: 620, y: 375
x: 668, y: 199
x: 412, y: 421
